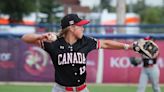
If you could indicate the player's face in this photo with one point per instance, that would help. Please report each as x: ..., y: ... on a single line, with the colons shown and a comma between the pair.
x: 78, y: 31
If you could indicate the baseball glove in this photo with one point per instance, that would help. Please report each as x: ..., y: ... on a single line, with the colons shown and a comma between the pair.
x: 134, y: 61
x: 146, y: 47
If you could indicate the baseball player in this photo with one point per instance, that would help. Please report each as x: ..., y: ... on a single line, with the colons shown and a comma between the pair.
x: 150, y: 72
x: 68, y: 51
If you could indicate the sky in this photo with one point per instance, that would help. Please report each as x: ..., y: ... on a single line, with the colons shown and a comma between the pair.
x: 149, y: 2
x: 155, y: 2
x: 92, y: 3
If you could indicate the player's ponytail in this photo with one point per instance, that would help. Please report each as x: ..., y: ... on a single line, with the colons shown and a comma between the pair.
x: 62, y: 32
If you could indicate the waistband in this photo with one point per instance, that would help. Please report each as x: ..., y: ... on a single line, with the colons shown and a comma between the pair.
x: 150, y: 65
x: 78, y: 88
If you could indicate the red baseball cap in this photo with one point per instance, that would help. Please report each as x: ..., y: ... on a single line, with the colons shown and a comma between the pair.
x: 72, y: 19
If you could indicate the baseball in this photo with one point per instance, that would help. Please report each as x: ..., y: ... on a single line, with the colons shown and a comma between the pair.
x: 137, y: 48
x: 53, y: 37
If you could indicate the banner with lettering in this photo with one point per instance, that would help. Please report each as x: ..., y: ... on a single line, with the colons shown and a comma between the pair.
x: 117, y: 67
x: 24, y: 62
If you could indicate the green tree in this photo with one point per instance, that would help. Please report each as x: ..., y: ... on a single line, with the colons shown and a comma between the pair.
x: 139, y: 6
x: 106, y: 4
x: 151, y: 15
x: 16, y: 9
x: 49, y: 7
x: 162, y: 13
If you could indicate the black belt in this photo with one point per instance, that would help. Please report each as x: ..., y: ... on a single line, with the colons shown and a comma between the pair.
x: 150, y: 65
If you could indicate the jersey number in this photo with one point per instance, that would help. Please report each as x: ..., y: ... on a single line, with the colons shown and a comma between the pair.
x: 82, y: 70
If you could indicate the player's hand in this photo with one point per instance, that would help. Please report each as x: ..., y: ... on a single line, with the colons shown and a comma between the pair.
x: 48, y: 37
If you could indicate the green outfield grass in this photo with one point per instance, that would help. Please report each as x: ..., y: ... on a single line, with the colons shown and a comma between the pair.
x: 92, y: 88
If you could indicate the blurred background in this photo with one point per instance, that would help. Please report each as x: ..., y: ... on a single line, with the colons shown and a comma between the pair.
x: 25, y: 67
